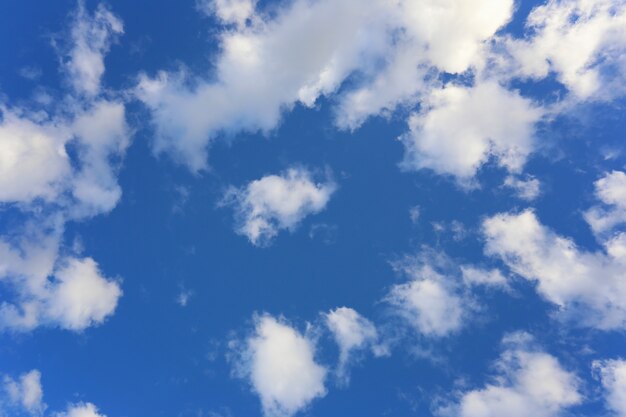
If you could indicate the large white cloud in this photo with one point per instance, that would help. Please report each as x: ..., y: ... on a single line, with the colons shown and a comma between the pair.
x: 530, y: 383
x: 612, y: 374
x: 280, y: 364
x: 587, y: 286
x: 275, y: 202
x: 25, y: 392
x: 308, y: 49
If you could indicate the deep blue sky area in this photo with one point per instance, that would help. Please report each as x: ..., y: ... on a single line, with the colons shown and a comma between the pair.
x: 173, y: 232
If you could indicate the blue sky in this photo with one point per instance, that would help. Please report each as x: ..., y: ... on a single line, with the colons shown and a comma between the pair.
x: 224, y: 208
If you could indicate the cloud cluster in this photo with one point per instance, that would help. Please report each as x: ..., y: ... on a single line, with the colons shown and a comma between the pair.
x: 371, y: 58
x: 280, y: 365
x: 529, y: 383
x: 611, y: 191
x: 265, y: 206
x: 48, y: 186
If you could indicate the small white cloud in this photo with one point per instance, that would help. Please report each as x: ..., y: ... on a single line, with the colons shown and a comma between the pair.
x: 67, y: 292
x: 611, y: 191
x: 275, y: 202
x: 26, y: 392
x: 429, y: 302
x: 81, y: 410
x: 587, y: 286
x: 280, y: 364
x: 229, y: 11
x: 414, y: 214
x: 612, y: 375
x: 461, y: 128
x: 353, y: 333
x: 527, y: 189
x: 91, y: 39
x: 530, y: 383
x: 478, y: 276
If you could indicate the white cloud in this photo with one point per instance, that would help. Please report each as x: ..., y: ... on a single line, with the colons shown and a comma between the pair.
x: 305, y: 50
x: 582, y: 41
x: 530, y: 383
x: 53, y: 290
x: 229, y: 11
x: 50, y: 186
x: 612, y: 374
x: 478, y: 276
x: 353, y: 333
x: 430, y: 301
x: 527, y: 189
x: 91, y: 37
x: 26, y: 392
x: 587, y: 286
x: 280, y: 365
x: 275, y: 202
x: 33, y: 160
x: 461, y: 128
x: 611, y: 191
x: 81, y: 410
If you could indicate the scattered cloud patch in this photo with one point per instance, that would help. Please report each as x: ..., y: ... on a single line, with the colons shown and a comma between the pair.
x: 586, y: 286
x: 353, y: 333
x: 276, y: 202
x: 280, y: 365
x: 527, y: 189
x: 25, y: 393
x: 612, y: 375
x: 529, y: 383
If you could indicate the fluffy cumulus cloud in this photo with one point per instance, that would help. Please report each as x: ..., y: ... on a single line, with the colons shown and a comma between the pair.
x: 461, y: 128
x: 581, y: 41
x: 612, y: 375
x: 430, y: 301
x: 280, y: 365
x: 587, y: 286
x: 275, y: 202
x: 262, y: 68
x: 371, y: 58
x: 49, y: 186
x: 530, y: 383
x: 353, y: 333
x: 611, y: 191
x: 81, y: 410
x: 25, y: 393
x: 67, y: 292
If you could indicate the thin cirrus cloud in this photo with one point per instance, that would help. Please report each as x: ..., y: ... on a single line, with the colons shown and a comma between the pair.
x: 279, y: 363
x: 49, y: 187
x: 272, y: 203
